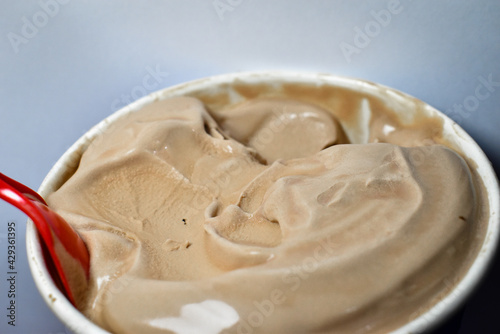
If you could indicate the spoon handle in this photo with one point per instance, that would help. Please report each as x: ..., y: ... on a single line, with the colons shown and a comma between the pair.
x: 52, y: 229
x: 21, y: 188
x: 14, y: 192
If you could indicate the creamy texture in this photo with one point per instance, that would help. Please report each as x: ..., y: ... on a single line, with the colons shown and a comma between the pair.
x: 266, y: 217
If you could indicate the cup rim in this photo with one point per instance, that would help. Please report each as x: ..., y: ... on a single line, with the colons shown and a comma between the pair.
x: 78, y: 323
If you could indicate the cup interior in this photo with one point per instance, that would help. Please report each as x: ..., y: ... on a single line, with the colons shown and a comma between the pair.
x: 231, y: 88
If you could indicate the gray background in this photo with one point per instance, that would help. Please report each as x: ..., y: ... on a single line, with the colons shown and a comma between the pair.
x: 80, y: 61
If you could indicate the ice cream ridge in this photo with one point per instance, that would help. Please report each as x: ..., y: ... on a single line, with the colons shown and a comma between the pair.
x: 268, y: 216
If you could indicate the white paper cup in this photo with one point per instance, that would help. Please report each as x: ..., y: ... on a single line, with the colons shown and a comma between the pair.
x: 76, y: 322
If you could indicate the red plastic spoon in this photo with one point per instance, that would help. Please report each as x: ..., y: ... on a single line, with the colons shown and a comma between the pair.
x: 52, y: 229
